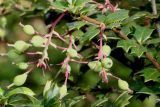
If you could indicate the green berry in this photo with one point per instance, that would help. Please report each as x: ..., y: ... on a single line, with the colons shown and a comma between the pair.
x: 3, y: 21
x: 95, y: 65
x: 13, y: 54
x: 2, y: 33
x: 21, y: 46
x: 123, y: 84
x: 23, y: 65
x: 37, y: 41
x: 107, y: 63
x: 20, y: 79
x: 28, y: 29
x: 72, y: 52
x: 106, y: 50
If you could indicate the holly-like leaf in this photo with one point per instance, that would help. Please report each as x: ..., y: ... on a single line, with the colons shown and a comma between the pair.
x: 155, y: 41
x: 138, y: 50
x: 126, y: 30
x: 122, y: 100
x: 99, y: 102
x: 90, y: 34
x: 117, y: 16
x: 75, y: 25
x: 60, y: 5
x: 150, y: 74
x: 134, y: 17
x: 142, y: 34
x: 75, y: 100
x: 126, y: 44
x: 150, y: 101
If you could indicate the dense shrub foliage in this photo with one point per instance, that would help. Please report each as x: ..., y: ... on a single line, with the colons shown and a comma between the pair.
x: 76, y: 53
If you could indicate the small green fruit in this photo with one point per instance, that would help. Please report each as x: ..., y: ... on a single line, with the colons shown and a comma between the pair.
x: 21, y: 46
x: 3, y: 21
x: 37, y: 41
x: 20, y: 79
x: 28, y: 29
x: 23, y: 65
x: 95, y: 65
x: 107, y: 63
x: 2, y: 33
x: 106, y: 50
x: 123, y: 84
x: 72, y: 52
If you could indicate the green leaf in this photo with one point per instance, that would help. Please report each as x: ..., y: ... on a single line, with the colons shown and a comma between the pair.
x: 21, y: 90
x: 75, y: 25
x: 122, y: 100
x: 90, y: 34
x: 53, y: 92
x: 98, y: 103
x: 138, y: 50
x: 75, y: 100
x: 150, y: 74
x: 126, y: 44
x: 60, y: 5
x: 63, y: 91
x: 126, y: 30
x: 150, y: 101
x: 153, y: 41
x: 80, y: 2
x: 1, y: 92
x: 142, y: 34
x: 134, y: 17
x: 112, y: 25
x: 117, y: 16
x: 78, y: 34
x: 47, y: 87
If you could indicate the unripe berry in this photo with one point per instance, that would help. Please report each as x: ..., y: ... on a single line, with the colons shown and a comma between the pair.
x: 23, y: 65
x: 123, y: 84
x: 95, y: 65
x: 21, y: 46
x: 107, y: 63
x: 28, y: 29
x: 3, y: 21
x: 106, y: 50
x: 20, y: 79
x: 2, y: 33
x: 72, y: 52
x: 37, y: 41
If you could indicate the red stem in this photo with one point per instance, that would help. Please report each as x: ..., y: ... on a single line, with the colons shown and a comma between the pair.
x: 56, y: 21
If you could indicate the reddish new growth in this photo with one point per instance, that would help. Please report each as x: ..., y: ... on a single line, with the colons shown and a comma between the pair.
x: 106, y: 6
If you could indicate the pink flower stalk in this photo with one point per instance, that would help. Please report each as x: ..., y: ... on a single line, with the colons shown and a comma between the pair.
x: 110, y: 7
x: 103, y: 74
x: 41, y: 64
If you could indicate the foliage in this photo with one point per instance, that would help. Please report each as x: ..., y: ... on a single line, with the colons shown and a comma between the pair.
x: 76, y: 53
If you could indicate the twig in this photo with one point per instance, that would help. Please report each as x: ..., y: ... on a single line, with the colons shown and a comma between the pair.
x: 154, y: 9
x: 123, y: 36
